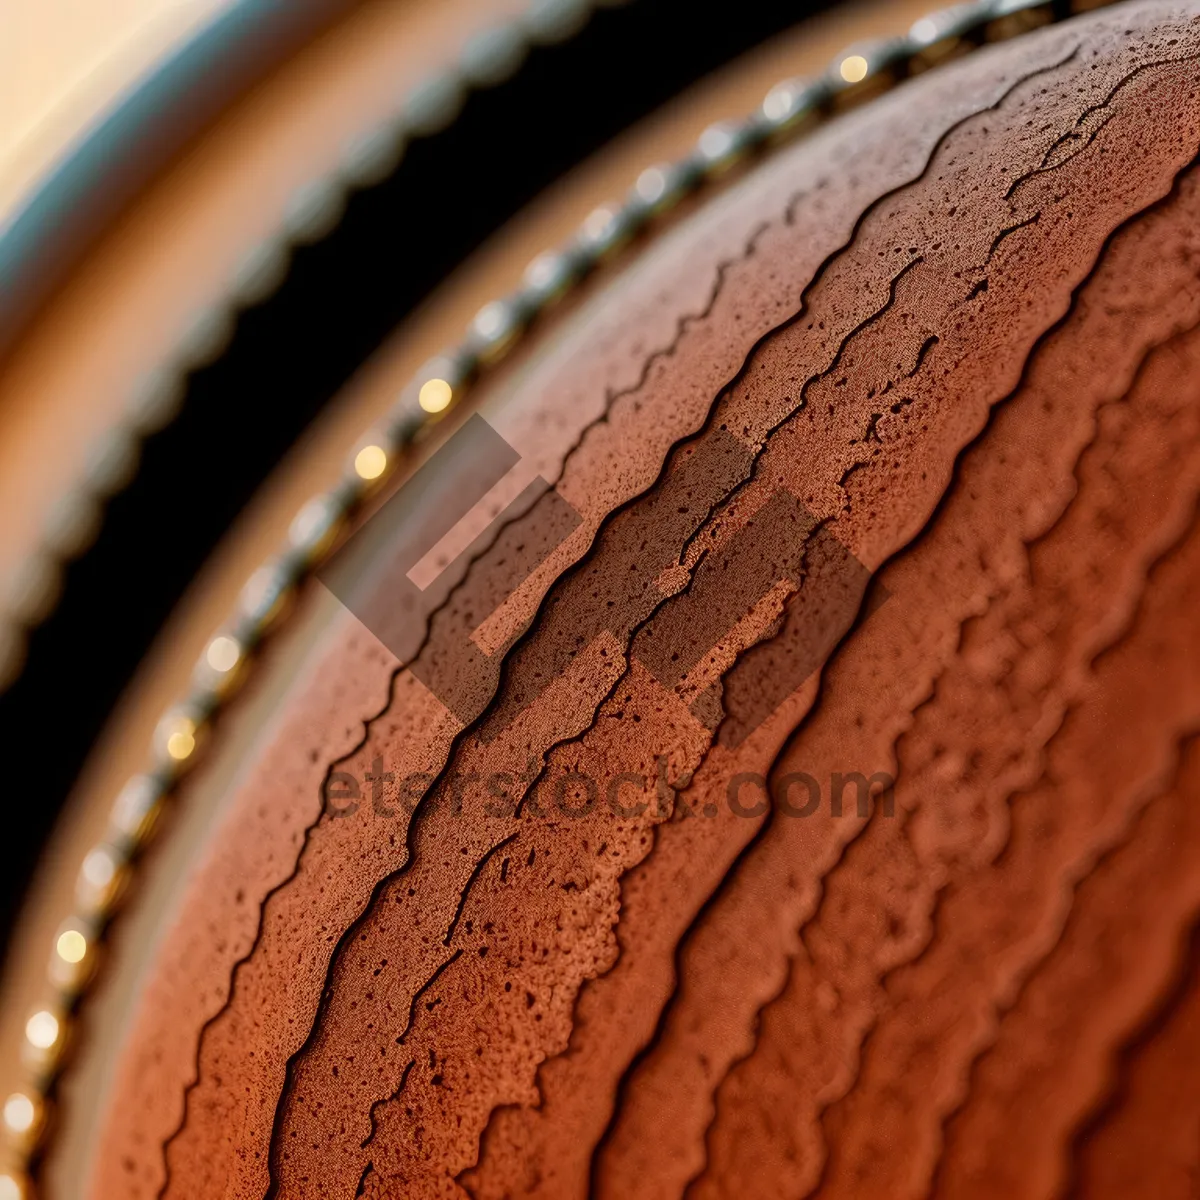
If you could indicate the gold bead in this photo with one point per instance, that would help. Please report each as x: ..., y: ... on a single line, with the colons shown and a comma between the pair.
x: 220, y: 669
x: 71, y: 946
x: 46, y: 1032
x: 14, y: 1186
x: 181, y: 744
x: 22, y: 1115
x: 223, y: 654
x: 74, y: 956
x: 853, y: 68
x: 176, y: 736
x: 43, y: 1030
x: 370, y: 462
x: 435, y: 395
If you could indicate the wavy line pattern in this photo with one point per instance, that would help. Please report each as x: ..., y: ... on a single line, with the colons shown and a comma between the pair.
x: 660, y: 354
x: 701, y: 502
x: 577, y: 568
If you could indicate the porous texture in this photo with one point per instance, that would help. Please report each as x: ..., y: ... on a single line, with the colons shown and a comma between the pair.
x: 887, y: 463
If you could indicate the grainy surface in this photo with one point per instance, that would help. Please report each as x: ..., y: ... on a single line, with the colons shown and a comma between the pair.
x: 955, y: 342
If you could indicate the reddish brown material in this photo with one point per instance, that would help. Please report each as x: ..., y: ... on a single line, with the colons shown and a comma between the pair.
x: 956, y: 341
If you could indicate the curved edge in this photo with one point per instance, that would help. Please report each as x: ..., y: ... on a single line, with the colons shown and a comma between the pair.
x: 116, y: 157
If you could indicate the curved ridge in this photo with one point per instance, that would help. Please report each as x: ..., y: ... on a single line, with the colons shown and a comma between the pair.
x: 1070, y: 886
x: 1029, y: 545
x: 1073, y: 886
x: 1117, y: 637
x: 832, y: 366
x: 625, y: 1081
x: 369, y: 722
x: 612, y: 397
x: 1186, y: 978
x: 1137, y: 216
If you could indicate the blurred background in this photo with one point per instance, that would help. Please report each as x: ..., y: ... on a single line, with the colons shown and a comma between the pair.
x: 64, y: 62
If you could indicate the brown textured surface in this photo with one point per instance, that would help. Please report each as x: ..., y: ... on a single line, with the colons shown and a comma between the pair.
x: 961, y: 330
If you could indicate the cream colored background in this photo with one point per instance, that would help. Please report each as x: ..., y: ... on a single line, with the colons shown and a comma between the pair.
x: 63, y: 63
